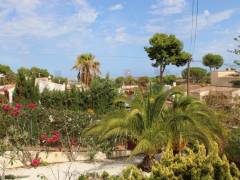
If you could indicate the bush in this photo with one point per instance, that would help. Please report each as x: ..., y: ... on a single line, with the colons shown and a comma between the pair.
x: 197, y: 74
x: 10, y: 76
x: 26, y: 91
x: 60, y: 80
x: 103, y: 93
x: 236, y: 83
x: 233, y: 147
x: 74, y: 99
x: 169, y: 79
x: 194, y: 164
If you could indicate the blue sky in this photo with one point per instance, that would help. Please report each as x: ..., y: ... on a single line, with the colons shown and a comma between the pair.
x: 51, y: 33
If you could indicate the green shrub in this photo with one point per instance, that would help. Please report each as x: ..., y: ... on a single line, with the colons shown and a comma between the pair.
x: 233, y: 147
x: 194, y: 164
x: 169, y: 79
x: 102, y: 93
x: 10, y: 76
x: 26, y: 91
x: 197, y: 74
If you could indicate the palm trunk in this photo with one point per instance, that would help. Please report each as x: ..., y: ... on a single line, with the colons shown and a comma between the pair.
x: 146, y: 164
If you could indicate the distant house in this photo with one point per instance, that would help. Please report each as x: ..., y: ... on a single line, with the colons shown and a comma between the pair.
x: 221, y: 84
x: 45, y: 83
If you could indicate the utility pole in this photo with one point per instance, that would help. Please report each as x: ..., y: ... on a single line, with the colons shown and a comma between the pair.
x: 188, y: 77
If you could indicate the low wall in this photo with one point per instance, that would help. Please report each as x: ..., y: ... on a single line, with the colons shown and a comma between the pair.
x: 56, y: 157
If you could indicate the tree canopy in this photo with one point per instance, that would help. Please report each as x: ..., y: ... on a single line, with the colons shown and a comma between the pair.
x: 9, y: 75
x: 213, y: 61
x: 197, y: 74
x: 166, y: 50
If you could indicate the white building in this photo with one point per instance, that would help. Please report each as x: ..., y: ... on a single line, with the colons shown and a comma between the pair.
x: 45, y: 83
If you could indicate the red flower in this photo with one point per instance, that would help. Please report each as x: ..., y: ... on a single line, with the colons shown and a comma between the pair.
x: 55, y: 137
x: 32, y: 106
x: 36, y: 162
x: 18, y: 106
x: 6, y: 107
x: 15, y: 112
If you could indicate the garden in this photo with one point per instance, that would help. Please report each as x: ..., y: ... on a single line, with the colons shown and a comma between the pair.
x: 149, y: 132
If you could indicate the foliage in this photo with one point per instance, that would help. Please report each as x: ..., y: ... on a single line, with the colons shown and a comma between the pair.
x: 169, y: 79
x: 26, y: 90
x: 143, y: 81
x: 60, y: 80
x: 194, y: 164
x: 233, y: 147
x: 38, y: 72
x: 75, y: 99
x: 34, y: 72
x: 197, y: 74
x: 237, y: 50
x: 166, y: 50
x: 103, y: 94
x: 236, y: 83
x: 88, y: 68
x: 119, y: 81
x: 214, y: 61
x: 152, y: 125
x: 10, y: 76
x: 129, y: 80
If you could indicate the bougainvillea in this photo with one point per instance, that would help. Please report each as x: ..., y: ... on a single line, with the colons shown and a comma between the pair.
x: 32, y: 106
x: 54, y: 137
x: 36, y: 162
x: 6, y: 108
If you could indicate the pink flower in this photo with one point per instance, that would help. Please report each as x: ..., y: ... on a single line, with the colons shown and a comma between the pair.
x: 15, y: 112
x: 6, y: 107
x: 36, y: 162
x: 32, y: 106
x: 55, y: 137
x: 18, y: 106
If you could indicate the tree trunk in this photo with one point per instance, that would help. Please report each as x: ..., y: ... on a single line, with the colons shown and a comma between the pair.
x: 161, y: 74
x: 146, y: 164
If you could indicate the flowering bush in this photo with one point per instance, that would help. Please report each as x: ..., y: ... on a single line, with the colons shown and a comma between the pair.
x: 36, y: 162
x: 54, y: 137
x: 6, y: 108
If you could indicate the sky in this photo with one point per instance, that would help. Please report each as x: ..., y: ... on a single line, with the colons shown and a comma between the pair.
x: 52, y: 33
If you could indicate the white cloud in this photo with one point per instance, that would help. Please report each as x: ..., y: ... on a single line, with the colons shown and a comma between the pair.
x: 182, y: 26
x: 19, y: 19
x: 120, y: 36
x: 116, y: 7
x: 167, y: 7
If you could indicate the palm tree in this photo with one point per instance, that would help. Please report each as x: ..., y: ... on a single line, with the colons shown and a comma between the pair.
x: 188, y: 120
x: 140, y: 125
x: 88, y: 68
x: 154, y: 123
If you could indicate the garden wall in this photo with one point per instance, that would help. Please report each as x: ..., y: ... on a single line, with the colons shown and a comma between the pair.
x: 56, y: 157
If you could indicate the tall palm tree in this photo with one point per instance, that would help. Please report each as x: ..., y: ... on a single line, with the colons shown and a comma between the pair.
x: 88, y: 68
